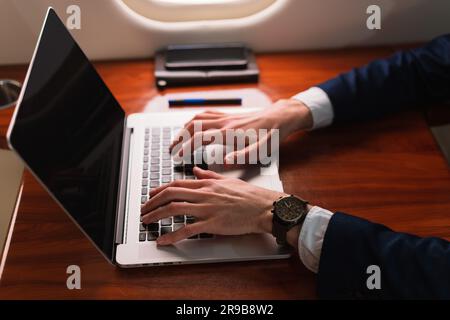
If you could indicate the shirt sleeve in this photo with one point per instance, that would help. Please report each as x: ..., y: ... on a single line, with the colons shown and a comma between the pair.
x: 311, y: 237
x: 320, y: 105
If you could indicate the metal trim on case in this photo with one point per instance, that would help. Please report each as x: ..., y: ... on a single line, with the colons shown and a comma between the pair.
x: 122, y: 195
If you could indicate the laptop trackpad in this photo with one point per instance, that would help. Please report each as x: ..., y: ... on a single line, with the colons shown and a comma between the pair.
x: 222, y: 248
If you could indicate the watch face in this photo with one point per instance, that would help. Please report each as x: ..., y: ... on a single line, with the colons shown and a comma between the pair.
x: 290, y: 208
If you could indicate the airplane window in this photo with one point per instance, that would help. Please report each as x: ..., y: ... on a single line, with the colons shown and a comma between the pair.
x: 196, y: 10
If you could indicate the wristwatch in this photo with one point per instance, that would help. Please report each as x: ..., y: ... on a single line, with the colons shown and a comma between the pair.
x: 288, y: 212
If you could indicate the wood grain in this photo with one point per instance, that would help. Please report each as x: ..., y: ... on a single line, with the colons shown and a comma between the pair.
x: 389, y: 171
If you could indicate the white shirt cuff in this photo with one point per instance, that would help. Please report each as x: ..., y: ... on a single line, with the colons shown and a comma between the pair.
x: 311, y: 237
x: 320, y: 105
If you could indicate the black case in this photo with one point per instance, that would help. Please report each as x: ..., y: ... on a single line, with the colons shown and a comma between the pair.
x: 170, y: 78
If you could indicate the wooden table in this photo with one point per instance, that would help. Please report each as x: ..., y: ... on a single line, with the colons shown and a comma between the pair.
x: 389, y: 171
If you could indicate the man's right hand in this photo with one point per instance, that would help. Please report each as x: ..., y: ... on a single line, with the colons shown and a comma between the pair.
x: 287, y: 116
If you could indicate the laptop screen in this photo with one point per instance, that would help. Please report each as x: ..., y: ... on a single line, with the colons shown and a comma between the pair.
x: 68, y: 129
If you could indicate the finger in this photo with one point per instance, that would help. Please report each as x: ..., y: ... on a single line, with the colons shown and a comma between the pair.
x: 206, y: 174
x: 181, y: 234
x: 244, y: 156
x: 211, y: 111
x: 196, y: 141
x: 187, y: 184
x: 253, y: 153
x: 203, y: 125
x: 208, y: 115
x: 171, y: 194
x: 175, y: 209
x: 190, y: 127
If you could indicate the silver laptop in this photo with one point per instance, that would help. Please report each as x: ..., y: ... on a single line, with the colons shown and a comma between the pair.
x: 99, y: 165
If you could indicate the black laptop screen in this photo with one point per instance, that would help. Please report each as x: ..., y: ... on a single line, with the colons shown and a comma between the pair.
x: 68, y: 129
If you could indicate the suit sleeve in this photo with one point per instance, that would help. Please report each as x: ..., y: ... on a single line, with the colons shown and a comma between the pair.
x: 410, y: 267
x: 408, y: 78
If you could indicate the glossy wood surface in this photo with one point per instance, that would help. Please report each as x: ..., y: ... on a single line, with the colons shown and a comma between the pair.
x: 390, y: 171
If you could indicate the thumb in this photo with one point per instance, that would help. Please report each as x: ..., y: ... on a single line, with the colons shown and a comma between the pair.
x: 206, y: 174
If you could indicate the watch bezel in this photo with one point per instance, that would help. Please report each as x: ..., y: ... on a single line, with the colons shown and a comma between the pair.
x: 282, y: 226
x: 294, y: 221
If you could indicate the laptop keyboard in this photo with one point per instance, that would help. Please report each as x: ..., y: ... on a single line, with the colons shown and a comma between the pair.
x: 158, y: 168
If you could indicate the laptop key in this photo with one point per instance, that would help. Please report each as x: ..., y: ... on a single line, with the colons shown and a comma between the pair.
x: 155, y: 161
x: 167, y: 171
x: 143, y: 199
x: 166, y: 222
x: 146, y: 144
x: 177, y: 176
x: 142, y: 236
x: 154, y: 184
x: 153, y: 227
x: 144, y: 182
x: 178, y: 226
x: 144, y: 191
x: 156, y: 146
x: 142, y: 227
x: 178, y: 167
x: 190, y: 220
x: 145, y: 167
x: 154, y: 176
x: 152, y: 236
x: 154, y: 169
x: 145, y: 159
x: 165, y: 230
x: 178, y: 219
x: 166, y: 179
x: 167, y: 164
x: 145, y: 175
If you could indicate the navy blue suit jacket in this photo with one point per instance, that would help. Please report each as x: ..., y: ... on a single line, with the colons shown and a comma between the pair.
x: 411, y: 267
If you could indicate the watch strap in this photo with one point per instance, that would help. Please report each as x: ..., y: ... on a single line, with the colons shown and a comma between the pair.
x: 279, y: 232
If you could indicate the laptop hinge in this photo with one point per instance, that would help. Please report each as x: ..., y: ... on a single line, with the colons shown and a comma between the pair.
x: 122, y: 195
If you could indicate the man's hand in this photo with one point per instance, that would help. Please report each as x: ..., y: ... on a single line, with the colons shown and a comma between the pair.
x: 286, y: 115
x: 220, y: 206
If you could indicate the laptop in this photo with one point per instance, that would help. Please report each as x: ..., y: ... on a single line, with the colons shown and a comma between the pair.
x: 11, y: 171
x: 100, y: 164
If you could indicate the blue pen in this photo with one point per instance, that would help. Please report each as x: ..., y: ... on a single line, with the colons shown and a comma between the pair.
x: 205, y: 102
